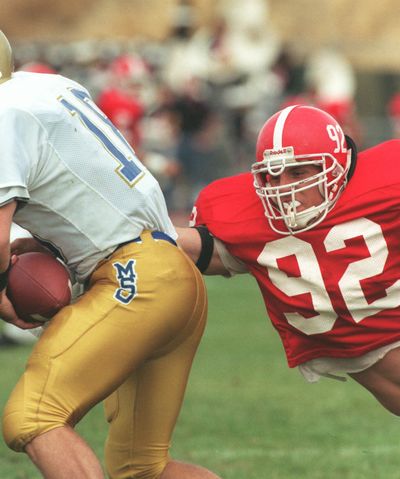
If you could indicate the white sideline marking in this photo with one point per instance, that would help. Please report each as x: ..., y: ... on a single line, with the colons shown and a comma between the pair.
x: 299, y: 452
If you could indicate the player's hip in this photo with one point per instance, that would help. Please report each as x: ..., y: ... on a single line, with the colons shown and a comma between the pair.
x: 149, y: 291
x: 152, y: 259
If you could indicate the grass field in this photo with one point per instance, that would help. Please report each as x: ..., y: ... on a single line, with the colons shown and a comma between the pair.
x: 246, y: 415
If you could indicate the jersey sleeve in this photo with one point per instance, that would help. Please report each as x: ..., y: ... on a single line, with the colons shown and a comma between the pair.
x: 232, y: 264
x: 216, y: 208
x: 20, y: 143
x: 220, y: 203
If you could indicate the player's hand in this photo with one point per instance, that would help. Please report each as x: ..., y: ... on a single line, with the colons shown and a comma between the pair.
x: 27, y: 245
x: 8, y: 314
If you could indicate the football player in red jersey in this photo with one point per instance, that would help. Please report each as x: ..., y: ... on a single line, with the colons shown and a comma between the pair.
x: 320, y: 236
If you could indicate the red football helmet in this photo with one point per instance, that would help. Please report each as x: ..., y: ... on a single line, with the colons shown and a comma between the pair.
x: 306, y: 135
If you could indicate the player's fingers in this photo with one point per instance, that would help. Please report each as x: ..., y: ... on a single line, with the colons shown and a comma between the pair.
x: 22, y: 324
x: 24, y: 245
x: 17, y: 247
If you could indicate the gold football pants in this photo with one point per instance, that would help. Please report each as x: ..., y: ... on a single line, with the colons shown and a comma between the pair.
x: 129, y: 340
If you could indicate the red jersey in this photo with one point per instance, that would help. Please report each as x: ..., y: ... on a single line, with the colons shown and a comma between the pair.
x: 332, y: 291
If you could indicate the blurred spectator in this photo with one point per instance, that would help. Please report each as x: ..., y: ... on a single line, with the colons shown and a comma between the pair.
x: 283, y: 78
x: 393, y: 109
x: 160, y: 132
x: 230, y: 60
x: 37, y: 67
x: 125, y: 99
x: 331, y: 85
x: 202, y: 147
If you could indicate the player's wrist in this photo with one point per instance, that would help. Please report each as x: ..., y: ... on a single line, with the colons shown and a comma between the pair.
x: 4, y: 277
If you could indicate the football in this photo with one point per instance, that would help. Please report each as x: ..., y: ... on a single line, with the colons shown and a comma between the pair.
x: 38, y: 286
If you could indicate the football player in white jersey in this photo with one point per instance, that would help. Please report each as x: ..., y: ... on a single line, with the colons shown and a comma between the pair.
x: 70, y: 178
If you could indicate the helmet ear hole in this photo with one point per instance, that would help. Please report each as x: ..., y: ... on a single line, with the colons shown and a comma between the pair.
x: 353, y: 161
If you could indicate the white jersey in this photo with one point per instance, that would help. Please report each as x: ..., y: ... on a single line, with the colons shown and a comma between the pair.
x: 80, y: 185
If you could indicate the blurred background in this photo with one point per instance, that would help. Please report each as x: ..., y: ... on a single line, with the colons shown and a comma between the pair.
x: 190, y: 82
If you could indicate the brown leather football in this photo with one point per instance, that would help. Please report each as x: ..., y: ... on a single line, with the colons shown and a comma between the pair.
x: 38, y: 286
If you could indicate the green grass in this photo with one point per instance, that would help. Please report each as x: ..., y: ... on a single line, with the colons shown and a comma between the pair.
x: 246, y: 414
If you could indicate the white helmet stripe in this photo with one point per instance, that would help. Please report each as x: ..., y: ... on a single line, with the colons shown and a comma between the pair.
x: 280, y: 123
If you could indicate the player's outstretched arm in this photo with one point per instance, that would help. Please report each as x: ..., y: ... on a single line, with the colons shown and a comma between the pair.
x: 189, y: 240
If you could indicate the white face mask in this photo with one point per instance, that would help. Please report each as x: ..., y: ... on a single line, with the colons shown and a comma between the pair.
x: 282, y: 204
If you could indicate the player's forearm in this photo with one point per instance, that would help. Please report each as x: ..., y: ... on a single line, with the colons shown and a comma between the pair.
x: 6, y: 215
x: 189, y: 240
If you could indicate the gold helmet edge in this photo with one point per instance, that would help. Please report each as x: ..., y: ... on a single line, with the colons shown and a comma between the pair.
x: 6, y: 59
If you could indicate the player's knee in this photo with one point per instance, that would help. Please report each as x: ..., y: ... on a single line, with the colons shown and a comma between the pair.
x: 15, y: 432
x: 137, y: 472
x: 147, y: 473
x: 139, y: 467
x: 19, y: 428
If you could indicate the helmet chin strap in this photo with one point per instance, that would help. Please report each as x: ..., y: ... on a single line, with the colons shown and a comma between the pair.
x: 296, y: 220
x: 290, y: 218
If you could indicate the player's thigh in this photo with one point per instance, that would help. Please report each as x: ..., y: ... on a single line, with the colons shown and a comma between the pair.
x: 143, y: 411
x: 383, y: 380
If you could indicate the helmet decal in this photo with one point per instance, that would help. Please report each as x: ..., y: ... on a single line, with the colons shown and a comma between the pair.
x: 280, y: 123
